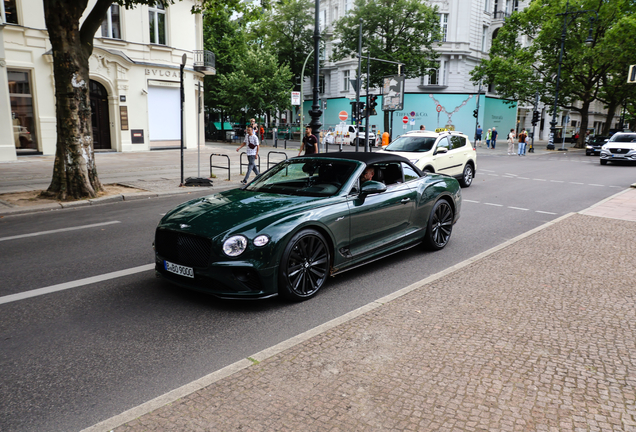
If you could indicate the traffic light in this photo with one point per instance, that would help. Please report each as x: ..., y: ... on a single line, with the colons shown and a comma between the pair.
x: 372, y: 104
x: 475, y: 113
x: 535, y: 117
x: 361, y: 110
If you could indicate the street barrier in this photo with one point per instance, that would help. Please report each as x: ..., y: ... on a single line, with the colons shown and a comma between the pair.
x: 218, y: 166
x: 241, y: 163
x: 276, y: 152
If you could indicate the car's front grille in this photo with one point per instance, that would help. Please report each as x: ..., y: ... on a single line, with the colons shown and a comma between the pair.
x: 185, y: 249
x: 619, y: 150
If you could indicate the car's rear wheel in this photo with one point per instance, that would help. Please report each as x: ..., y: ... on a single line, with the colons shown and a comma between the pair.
x: 440, y: 225
x: 603, y: 162
x: 305, y: 265
x: 467, y: 176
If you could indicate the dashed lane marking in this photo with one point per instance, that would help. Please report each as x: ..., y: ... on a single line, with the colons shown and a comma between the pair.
x: 518, y: 208
x: 58, y: 230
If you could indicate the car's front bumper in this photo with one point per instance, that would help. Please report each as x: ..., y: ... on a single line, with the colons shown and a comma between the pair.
x: 230, y: 280
x: 611, y: 156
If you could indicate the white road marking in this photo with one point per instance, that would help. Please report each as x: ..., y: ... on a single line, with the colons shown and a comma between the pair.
x: 496, y: 205
x: 544, y: 212
x: 523, y: 178
x: 470, y: 201
x: 514, y: 175
x: 58, y: 230
x: 539, y: 179
x: 592, y: 184
x: 74, y: 284
x: 494, y: 175
x: 576, y: 183
x: 557, y: 181
x: 518, y: 208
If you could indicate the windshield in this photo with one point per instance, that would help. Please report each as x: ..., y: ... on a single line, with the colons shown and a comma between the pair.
x: 623, y: 138
x: 411, y: 144
x: 305, y: 177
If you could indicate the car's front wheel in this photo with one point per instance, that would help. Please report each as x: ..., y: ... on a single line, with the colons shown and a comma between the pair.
x: 467, y: 176
x: 603, y: 162
x: 305, y: 265
x: 440, y: 225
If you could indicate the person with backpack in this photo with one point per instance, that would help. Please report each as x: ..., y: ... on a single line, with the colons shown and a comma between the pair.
x: 523, y: 136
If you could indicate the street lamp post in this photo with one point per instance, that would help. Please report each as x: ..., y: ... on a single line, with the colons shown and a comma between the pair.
x: 589, y: 41
x: 316, y: 112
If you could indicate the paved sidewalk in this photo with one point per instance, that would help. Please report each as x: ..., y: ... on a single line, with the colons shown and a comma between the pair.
x: 538, y: 334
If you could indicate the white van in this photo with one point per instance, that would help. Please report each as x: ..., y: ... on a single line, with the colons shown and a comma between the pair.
x: 346, y: 134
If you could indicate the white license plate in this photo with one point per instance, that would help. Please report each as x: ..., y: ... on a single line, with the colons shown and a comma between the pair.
x: 618, y: 155
x: 179, y: 269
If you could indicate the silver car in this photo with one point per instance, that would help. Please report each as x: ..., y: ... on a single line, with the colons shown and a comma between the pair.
x: 620, y: 147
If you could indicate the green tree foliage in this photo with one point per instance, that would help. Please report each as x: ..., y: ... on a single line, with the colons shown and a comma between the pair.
x: 404, y: 31
x: 258, y: 84
x: 288, y: 30
x: 524, y: 56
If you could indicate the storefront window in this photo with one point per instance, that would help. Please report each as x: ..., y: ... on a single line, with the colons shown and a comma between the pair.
x: 22, y: 110
x: 10, y: 12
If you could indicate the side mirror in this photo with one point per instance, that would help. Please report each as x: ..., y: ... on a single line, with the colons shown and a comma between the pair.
x: 441, y: 150
x: 372, y: 187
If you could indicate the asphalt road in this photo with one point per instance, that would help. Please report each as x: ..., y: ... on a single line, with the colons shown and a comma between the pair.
x: 72, y: 358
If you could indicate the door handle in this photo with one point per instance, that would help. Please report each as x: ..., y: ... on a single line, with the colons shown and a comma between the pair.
x: 405, y: 200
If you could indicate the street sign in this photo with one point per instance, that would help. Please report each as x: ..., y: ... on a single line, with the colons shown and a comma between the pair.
x: 343, y: 115
x: 393, y: 93
x: 439, y: 108
x: 405, y: 119
x: 412, y: 113
x: 295, y: 95
x: 631, y: 76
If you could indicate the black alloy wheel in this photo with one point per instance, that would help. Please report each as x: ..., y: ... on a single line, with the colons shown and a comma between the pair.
x: 603, y: 162
x: 467, y: 177
x: 305, y: 265
x: 440, y: 225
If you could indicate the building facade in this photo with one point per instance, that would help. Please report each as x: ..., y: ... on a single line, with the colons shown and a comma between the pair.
x: 135, y: 79
x: 446, y: 98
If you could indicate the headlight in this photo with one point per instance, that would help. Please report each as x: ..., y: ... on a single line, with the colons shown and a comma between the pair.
x: 588, y: 146
x: 234, y: 246
x: 261, y: 240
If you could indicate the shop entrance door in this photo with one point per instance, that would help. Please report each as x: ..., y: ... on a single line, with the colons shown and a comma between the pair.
x: 99, y: 116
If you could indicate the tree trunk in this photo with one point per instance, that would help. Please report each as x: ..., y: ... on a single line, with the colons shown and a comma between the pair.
x: 74, y: 171
x: 611, y: 110
x: 584, y: 112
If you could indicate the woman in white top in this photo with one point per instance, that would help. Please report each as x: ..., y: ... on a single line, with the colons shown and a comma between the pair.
x: 511, y: 142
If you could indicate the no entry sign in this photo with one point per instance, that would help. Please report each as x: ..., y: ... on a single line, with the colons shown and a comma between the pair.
x: 405, y: 119
x: 342, y: 115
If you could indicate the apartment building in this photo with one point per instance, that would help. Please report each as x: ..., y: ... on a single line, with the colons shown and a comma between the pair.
x: 134, y: 86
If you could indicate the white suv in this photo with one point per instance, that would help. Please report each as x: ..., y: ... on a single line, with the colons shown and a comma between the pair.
x: 620, y: 147
x: 445, y: 152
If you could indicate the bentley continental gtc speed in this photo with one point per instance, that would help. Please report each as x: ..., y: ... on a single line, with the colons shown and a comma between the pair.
x: 305, y: 219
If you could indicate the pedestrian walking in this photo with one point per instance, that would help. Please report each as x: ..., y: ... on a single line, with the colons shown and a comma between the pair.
x: 511, y: 142
x: 488, y: 138
x: 309, y: 144
x: 251, y: 140
x: 523, y: 136
x: 478, y: 135
x: 493, y: 140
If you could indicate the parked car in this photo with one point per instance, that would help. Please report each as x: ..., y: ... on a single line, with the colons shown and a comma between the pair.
x: 303, y: 220
x: 446, y: 152
x: 346, y: 134
x: 594, y: 144
x: 620, y: 147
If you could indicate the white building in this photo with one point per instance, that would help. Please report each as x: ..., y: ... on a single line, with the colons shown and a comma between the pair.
x: 134, y: 71
x: 446, y: 97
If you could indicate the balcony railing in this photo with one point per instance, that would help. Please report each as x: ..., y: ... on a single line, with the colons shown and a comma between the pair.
x: 204, y: 61
x: 500, y: 15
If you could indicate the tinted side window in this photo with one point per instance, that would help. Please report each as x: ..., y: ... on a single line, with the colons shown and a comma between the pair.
x: 409, y: 173
x: 457, y: 141
x: 443, y: 142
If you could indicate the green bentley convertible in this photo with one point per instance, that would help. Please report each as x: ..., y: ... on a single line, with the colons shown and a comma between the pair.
x: 303, y: 220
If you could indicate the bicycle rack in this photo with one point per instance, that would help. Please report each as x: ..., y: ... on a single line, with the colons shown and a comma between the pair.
x: 241, y: 163
x: 277, y: 152
x: 220, y: 167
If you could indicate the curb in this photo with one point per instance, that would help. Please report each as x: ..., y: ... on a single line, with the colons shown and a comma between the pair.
x: 187, y: 389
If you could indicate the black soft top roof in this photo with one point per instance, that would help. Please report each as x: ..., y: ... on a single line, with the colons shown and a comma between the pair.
x: 365, y: 157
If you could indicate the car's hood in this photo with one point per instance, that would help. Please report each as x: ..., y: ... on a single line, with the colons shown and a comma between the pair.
x: 215, y: 214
